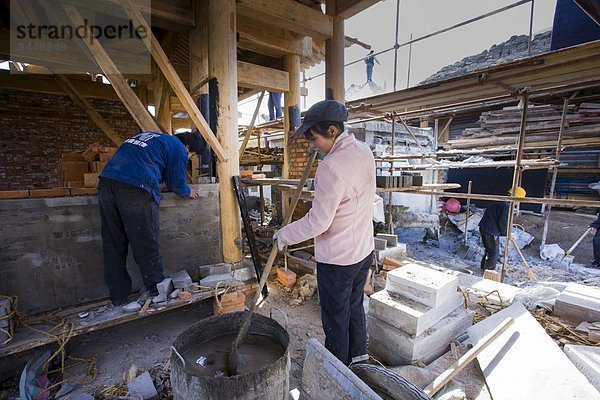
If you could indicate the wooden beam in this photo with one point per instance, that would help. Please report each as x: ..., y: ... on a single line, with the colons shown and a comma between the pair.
x: 273, y: 41
x: 123, y: 90
x: 96, y: 118
x: 167, y: 69
x: 349, y: 8
x: 198, y: 50
x: 222, y: 66
x: 258, y: 77
x: 334, y: 57
x: 288, y: 14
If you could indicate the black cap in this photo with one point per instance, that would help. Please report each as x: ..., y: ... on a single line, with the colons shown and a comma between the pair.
x: 325, y: 110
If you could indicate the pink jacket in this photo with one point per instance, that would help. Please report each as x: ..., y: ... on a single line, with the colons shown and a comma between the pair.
x: 341, y: 216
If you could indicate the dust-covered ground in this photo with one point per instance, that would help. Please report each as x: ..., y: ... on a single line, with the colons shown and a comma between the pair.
x: 564, y: 229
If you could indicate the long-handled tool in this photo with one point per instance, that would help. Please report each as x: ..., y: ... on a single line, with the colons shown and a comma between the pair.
x: 530, y: 273
x: 464, y: 249
x: 233, y: 358
x: 567, y: 259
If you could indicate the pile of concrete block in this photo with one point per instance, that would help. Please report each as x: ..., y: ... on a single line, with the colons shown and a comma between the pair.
x: 416, y: 316
x: 388, y: 246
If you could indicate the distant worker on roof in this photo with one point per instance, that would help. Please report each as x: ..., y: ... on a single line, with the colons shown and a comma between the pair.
x: 370, y: 62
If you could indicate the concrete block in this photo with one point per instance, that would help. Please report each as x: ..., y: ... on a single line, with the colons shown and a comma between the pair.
x: 132, y: 307
x: 392, y: 240
x: 142, y: 387
x: 380, y: 244
x: 175, y: 294
x: 161, y: 298
x: 245, y: 273
x: 396, y: 347
x: 208, y: 270
x: 324, y: 376
x: 408, y: 315
x: 165, y: 287
x: 422, y: 284
x: 578, y: 303
x: 212, y: 280
x: 587, y: 361
x: 181, y: 279
x: 398, y: 251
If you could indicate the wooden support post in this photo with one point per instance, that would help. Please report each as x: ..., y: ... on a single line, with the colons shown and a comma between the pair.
x: 182, y: 93
x: 223, y: 66
x: 198, y: 50
x: 554, y: 171
x: 516, y: 177
x: 334, y: 56
x: 291, y: 101
x: 123, y: 90
x: 96, y: 118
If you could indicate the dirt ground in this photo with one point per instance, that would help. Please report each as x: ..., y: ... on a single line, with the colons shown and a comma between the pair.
x: 145, y: 344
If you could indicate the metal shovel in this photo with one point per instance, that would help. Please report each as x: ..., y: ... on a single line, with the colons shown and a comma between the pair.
x: 233, y: 357
x: 567, y: 259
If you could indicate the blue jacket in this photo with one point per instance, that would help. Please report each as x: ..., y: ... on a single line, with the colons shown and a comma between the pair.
x: 495, y: 219
x: 148, y: 159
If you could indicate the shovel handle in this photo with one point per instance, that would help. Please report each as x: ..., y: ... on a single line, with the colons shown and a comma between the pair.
x: 578, y: 241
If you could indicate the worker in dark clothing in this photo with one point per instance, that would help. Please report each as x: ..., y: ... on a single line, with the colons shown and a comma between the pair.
x: 596, y: 225
x: 370, y: 62
x: 274, y: 104
x: 129, y: 196
x: 493, y: 224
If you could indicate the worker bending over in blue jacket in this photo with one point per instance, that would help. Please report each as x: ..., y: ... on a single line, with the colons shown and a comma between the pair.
x: 129, y: 196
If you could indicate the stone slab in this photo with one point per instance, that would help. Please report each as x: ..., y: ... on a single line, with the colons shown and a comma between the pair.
x: 392, y: 240
x: 165, y: 287
x: 578, y: 303
x: 213, y: 280
x: 380, y: 244
x: 395, y: 347
x: 181, y: 279
x: 422, y: 284
x: 525, y: 363
x: 587, y: 361
x: 398, y: 251
x: 142, y: 387
x: 208, y: 270
x: 324, y: 376
x: 408, y: 315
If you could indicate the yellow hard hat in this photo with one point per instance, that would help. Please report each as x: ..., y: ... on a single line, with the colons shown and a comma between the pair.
x: 520, y: 192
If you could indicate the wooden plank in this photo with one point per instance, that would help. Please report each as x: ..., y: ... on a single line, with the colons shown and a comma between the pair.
x: 525, y: 355
x: 96, y: 118
x: 258, y: 77
x: 289, y: 14
x: 167, y: 69
x: 121, y: 87
x: 26, y: 339
x: 349, y: 8
x: 270, y: 40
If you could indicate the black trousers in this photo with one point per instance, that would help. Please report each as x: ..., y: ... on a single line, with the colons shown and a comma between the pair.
x: 492, y: 250
x: 129, y: 217
x: 341, y: 289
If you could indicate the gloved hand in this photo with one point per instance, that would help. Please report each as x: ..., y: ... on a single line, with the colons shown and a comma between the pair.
x: 278, y: 241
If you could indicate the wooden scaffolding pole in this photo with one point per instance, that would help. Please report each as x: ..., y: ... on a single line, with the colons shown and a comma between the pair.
x: 291, y: 101
x: 516, y: 178
x: 223, y: 67
x: 334, y: 56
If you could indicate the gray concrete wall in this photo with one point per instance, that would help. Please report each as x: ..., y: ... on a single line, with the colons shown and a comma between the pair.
x: 51, y: 249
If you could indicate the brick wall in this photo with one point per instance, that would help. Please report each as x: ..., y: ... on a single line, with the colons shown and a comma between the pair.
x: 35, y: 128
x: 299, y: 158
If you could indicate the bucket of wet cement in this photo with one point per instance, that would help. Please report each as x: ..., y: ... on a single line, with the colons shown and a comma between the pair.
x: 199, y: 360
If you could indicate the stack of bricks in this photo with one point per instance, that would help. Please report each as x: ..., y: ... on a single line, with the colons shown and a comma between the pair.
x: 416, y: 316
x: 97, y: 156
x: 286, y: 277
x: 299, y: 158
x: 229, y: 302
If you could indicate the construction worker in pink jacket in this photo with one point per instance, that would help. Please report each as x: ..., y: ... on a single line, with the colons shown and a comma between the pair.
x: 340, y: 221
